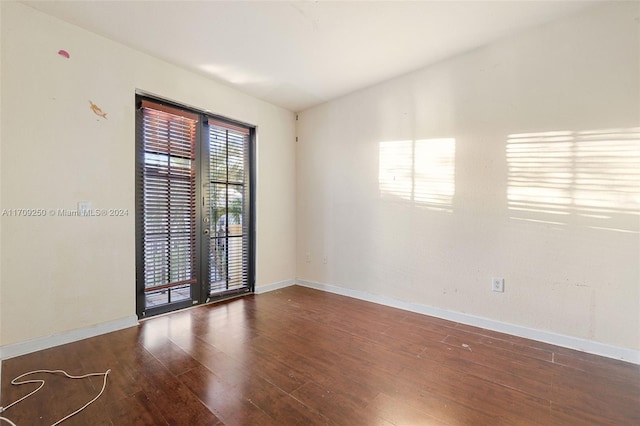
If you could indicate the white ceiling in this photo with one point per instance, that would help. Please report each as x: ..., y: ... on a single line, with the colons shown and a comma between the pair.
x: 298, y: 54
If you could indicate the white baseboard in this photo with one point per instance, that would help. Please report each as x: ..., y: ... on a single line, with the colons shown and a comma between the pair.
x: 565, y: 341
x: 274, y: 286
x: 23, y: 348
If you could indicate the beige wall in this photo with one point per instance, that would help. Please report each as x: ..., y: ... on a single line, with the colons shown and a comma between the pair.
x: 65, y: 273
x: 378, y: 197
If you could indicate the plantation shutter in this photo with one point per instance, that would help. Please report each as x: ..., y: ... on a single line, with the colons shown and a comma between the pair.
x: 168, y: 201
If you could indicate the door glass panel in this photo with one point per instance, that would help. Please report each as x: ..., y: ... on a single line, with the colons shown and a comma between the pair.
x: 227, y: 209
x: 168, y: 206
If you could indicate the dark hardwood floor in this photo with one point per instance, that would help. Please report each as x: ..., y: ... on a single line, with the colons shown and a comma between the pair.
x: 301, y: 356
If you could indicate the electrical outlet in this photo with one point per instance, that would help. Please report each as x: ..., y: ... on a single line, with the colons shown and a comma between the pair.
x: 497, y: 284
x: 84, y: 208
x: 308, y: 257
x: 325, y: 260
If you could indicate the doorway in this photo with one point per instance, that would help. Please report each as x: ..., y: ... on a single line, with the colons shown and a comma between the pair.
x: 194, y: 207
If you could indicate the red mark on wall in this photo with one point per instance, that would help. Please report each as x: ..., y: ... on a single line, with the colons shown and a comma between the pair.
x: 64, y: 53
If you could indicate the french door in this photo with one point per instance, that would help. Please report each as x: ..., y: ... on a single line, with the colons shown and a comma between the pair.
x: 194, y: 215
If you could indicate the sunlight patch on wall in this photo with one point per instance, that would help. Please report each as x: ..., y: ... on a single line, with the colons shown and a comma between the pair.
x: 234, y: 74
x: 590, y: 178
x: 421, y: 172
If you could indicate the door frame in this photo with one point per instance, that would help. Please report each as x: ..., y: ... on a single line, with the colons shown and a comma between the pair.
x: 199, y: 290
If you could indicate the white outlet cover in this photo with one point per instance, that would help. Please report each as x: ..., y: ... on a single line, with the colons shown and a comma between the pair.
x: 497, y: 284
x: 84, y: 208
